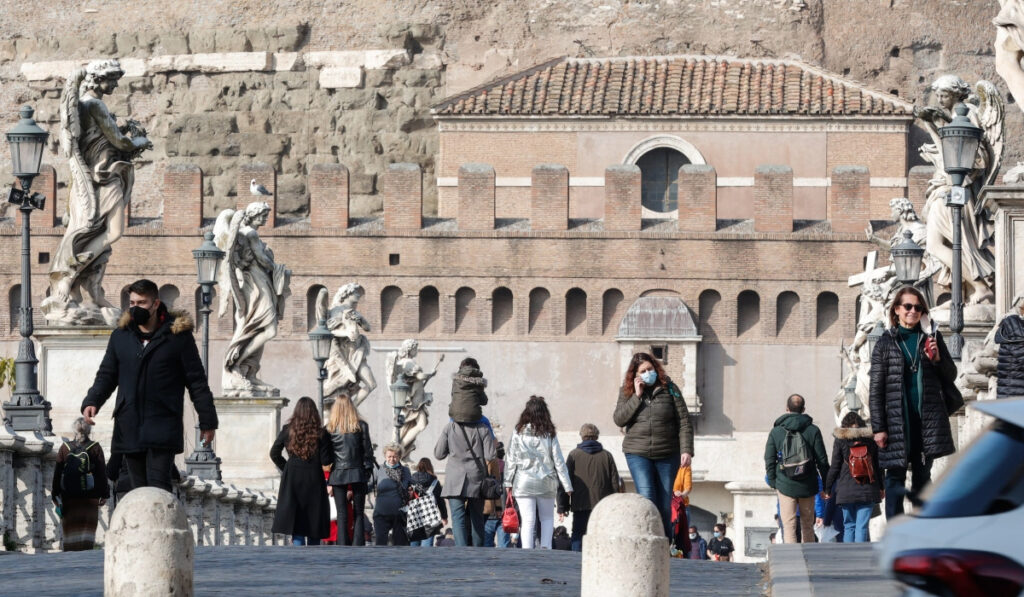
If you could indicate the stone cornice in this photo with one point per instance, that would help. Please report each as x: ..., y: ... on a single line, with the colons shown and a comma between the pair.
x: 710, y: 124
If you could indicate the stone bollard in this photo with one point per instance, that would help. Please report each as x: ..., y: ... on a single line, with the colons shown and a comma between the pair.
x: 149, y: 548
x: 625, y: 551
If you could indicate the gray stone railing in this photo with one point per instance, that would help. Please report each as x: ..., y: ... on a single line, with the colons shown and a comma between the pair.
x: 218, y: 513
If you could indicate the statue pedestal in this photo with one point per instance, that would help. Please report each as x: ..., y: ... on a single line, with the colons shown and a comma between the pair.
x: 68, y: 360
x: 248, y: 427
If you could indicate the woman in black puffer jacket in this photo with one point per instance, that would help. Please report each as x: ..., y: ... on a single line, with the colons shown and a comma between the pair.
x: 1010, y: 370
x: 855, y: 499
x: 910, y: 371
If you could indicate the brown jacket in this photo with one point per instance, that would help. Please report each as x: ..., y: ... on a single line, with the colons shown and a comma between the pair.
x: 657, y: 424
x: 594, y: 477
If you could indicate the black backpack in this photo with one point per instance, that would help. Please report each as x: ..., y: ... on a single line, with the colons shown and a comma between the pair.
x: 77, y: 479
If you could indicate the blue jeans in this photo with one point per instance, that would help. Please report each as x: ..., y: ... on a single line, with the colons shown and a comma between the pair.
x: 855, y: 522
x: 580, y: 518
x: 494, y: 534
x: 428, y: 542
x: 467, y: 519
x: 301, y: 541
x: 653, y: 480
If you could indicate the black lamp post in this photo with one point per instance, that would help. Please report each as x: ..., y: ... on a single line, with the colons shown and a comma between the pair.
x: 203, y: 462
x: 960, y: 140
x: 321, y: 339
x: 28, y: 410
x: 906, y: 258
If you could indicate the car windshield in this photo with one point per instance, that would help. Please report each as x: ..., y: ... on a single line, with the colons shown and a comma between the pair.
x: 987, y: 477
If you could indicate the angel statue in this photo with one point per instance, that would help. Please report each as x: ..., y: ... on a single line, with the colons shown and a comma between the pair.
x: 258, y: 287
x: 413, y: 418
x: 100, y: 155
x: 1009, y: 46
x: 347, y: 367
x: 985, y: 110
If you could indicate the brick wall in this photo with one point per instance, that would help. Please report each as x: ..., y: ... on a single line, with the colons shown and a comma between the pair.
x: 183, y: 196
x: 328, y: 196
x: 403, y: 197
x: 622, y: 207
x: 849, y: 199
x: 476, y: 197
x: 698, y: 198
x: 917, y: 186
x: 264, y: 175
x: 773, y: 199
x: 549, y: 198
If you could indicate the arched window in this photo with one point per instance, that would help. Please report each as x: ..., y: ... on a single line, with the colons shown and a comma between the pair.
x: 575, y: 311
x: 610, y: 304
x: 828, y: 312
x: 706, y: 306
x: 311, y: 295
x: 463, y: 303
x: 169, y: 295
x: 430, y: 308
x: 14, y: 305
x: 390, y: 304
x: 659, y: 169
x: 501, y: 309
x: 538, y: 300
x: 748, y: 312
x: 787, y: 307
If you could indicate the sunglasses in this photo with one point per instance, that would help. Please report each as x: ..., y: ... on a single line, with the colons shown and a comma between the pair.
x: 910, y: 307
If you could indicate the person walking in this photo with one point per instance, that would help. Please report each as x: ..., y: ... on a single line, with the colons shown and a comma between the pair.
x: 427, y: 484
x: 1009, y: 336
x: 494, y: 533
x: 80, y: 487
x: 533, y: 469
x: 857, y: 490
x: 151, y: 359
x: 659, y: 433
x: 912, y: 395
x: 303, y: 510
x: 698, y: 546
x: 720, y: 547
x: 393, y: 487
x: 593, y: 475
x: 352, y: 467
x: 794, y: 457
x: 466, y: 446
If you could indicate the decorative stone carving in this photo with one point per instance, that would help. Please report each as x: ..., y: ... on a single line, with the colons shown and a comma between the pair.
x: 347, y: 366
x: 413, y: 418
x: 1009, y: 45
x: 985, y: 109
x: 258, y: 287
x: 100, y: 155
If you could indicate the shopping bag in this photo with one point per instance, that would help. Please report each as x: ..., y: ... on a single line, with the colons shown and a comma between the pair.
x: 422, y: 518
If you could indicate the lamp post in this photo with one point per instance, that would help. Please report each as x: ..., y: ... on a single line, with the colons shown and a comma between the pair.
x: 320, y: 339
x: 27, y: 409
x: 906, y: 258
x: 873, y: 336
x: 399, y: 395
x: 852, y: 400
x: 203, y: 462
x: 960, y: 140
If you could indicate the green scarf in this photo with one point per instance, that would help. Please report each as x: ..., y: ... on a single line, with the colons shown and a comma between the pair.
x: 913, y: 383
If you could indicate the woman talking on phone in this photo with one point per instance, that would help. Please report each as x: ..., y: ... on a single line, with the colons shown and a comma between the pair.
x: 912, y: 396
x: 659, y: 434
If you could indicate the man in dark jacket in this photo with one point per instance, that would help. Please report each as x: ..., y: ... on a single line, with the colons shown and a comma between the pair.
x: 151, y: 360
x: 594, y: 477
x: 795, y: 493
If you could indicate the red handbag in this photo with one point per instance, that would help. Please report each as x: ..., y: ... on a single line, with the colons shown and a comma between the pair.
x: 509, y: 517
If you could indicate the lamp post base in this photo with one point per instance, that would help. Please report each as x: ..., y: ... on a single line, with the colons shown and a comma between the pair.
x: 29, y: 418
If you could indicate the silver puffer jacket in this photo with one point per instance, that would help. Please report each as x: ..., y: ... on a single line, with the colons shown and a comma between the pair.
x: 534, y: 465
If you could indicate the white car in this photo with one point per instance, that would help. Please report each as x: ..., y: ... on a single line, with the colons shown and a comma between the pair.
x: 966, y: 538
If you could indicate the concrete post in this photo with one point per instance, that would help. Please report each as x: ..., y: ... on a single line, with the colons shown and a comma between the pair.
x: 149, y: 548
x: 625, y: 551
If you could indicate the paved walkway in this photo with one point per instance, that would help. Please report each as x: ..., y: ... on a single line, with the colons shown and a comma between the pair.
x: 389, y: 571
x: 821, y: 570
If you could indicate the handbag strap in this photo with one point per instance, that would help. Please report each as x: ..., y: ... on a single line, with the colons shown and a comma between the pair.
x: 483, y: 468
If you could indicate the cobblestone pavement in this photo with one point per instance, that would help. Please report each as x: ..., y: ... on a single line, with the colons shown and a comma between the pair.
x: 820, y: 570
x: 390, y: 571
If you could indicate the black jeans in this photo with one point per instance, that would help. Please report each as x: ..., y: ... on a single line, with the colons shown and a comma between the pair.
x: 394, y: 523
x: 358, y: 504
x: 896, y: 482
x: 151, y: 468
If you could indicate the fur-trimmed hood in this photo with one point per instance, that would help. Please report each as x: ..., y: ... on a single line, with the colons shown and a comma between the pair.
x: 181, y: 321
x: 853, y: 433
x: 470, y: 376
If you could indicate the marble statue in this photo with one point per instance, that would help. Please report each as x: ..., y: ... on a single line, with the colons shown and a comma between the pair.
x: 347, y: 366
x: 100, y: 155
x: 413, y: 418
x: 1009, y: 46
x: 258, y: 287
x: 985, y: 109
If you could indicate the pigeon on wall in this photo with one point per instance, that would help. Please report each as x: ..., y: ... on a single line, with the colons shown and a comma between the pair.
x: 257, y: 189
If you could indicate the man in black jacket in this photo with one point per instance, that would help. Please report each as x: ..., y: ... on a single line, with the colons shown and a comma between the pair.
x: 151, y: 359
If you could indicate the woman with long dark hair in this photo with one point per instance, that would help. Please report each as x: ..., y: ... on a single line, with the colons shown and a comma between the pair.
x: 912, y: 396
x: 533, y: 468
x: 302, y: 507
x: 353, y: 465
x: 426, y: 483
x: 659, y: 434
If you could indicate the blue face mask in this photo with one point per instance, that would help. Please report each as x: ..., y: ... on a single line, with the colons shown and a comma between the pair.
x: 649, y: 376
x: 718, y: 534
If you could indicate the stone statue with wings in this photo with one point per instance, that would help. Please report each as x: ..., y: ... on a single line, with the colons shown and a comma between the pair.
x: 348, y: 369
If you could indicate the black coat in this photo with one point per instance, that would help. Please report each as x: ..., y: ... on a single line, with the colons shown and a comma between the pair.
x: 391, y: 496
x: 1010, y: 370
x: 151, y: 383
x: 847, y: 490
x: 886, y: 400
x: 302, y: 502
x: 353, y: 456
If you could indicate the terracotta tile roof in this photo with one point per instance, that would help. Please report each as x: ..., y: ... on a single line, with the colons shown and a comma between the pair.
x: 673, y: 86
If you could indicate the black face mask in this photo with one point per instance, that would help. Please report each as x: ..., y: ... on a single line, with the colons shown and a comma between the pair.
x: 139, y: 315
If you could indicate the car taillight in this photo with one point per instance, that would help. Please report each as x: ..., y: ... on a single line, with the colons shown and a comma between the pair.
x: 960, y: 572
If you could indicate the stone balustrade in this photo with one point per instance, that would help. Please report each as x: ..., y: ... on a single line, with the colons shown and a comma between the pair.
x: 218, y: 514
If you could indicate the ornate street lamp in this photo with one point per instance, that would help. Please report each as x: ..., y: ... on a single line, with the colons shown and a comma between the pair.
x: 399, y: 395
x: 906, y: 258
x: 960, y: 140
x: 28, y: 410
x: 203, y: 462
x: 852, y: 400
x: 875, y: 334
x: 321, y: 338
